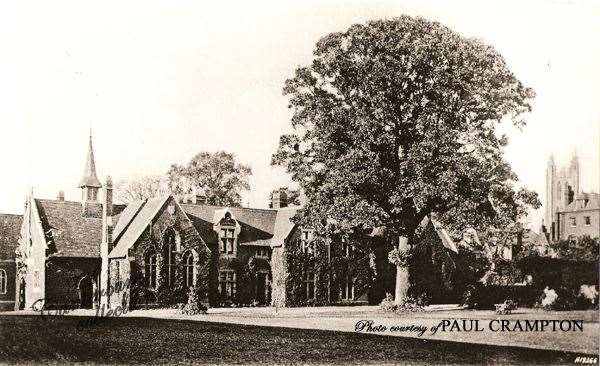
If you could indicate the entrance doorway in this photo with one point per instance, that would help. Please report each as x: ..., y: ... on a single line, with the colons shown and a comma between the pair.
x: 86, y: 292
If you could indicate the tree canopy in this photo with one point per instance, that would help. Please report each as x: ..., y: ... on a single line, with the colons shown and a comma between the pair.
x: 218, y: 175
x: 395, y: 120
x: 140, y: 188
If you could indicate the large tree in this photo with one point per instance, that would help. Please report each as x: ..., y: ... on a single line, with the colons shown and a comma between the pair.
x: 141, y: 188
x: 218, y: 175
x: 395, y: 120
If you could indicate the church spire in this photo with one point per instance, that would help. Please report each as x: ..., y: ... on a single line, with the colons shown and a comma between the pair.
x: 89, y: 178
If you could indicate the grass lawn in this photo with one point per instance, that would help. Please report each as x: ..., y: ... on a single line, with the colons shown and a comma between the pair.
x: 30, y: 339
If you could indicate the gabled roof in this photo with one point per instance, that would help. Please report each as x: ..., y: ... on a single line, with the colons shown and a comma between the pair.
x: 445, y: 238
x: 283, y: 225
x: 261, y: 219
x: 126, y: 217
x: 136, y: 227
x: 10, y: 229
x: 69, y: 233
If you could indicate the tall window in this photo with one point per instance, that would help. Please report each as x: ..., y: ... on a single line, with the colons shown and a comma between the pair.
x: 170, y: 251
x: 306, y: 243
x: 588, y: 220
x: 348, y: 289
x: 227, y: 283
x: 150, y: 268
x: 347, y: 248
x: 3, y: 280
x: 309, y: 283
x: 188, y: 269
x: 227, y: 240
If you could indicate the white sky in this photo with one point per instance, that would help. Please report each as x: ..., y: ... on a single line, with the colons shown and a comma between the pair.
x: 160, y: 81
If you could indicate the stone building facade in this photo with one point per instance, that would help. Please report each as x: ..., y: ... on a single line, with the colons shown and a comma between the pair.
x: 93, y: 253
x: 570, y: 213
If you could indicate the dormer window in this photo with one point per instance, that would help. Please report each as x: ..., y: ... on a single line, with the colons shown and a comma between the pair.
x: 227, y: 242
x: 306, y: 241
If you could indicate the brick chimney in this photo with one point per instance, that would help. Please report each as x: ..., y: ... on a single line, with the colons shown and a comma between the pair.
x: 279, y: 199
x: 60, y: 196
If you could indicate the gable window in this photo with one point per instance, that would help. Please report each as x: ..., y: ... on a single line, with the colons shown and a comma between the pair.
x: 227, y: 242
x: 573, y: 221
x: 150, y: 268
x: 348, y: 288
x: 188, y: 269
x: 588, y: 220
x: 3, y: 280
x: 227, y: 283
x: 306, y: 243
x: 309, y: 284
x: 262, y: 252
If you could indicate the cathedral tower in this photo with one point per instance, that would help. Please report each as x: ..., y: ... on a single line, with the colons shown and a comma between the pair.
x: 562, y: 186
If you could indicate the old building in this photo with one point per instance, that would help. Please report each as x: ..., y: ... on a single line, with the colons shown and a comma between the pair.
x: 10, y: 226
x: 581, y: 217
x: 569, y: 211
x: 152, y: 252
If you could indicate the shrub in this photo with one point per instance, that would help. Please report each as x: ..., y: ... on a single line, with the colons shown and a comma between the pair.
x: 194, y: 304
x: 407, y: 305
x: 569, y: 298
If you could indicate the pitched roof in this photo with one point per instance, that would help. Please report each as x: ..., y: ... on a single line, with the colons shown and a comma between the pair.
x: 283, y: 225
x: 69, y: 233
x: 10, y: 228
x: 136, y: 227
x: 445, y: 238
x: 124, y: 219
x: 261, y: 219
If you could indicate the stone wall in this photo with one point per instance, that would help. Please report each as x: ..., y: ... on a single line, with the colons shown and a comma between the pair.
x: 153, y: 238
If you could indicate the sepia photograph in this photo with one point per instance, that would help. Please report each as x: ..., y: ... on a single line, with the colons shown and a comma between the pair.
x: 334, y: 182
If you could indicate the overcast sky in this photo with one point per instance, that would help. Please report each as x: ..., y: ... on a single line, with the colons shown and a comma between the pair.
x: 161, y: 81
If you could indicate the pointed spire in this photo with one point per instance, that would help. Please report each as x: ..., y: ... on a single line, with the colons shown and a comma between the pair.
x: 90, y: 179
x: 574, y: 157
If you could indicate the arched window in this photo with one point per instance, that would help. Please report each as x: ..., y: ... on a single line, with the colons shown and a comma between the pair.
x: 188, y: 269
x: 3, y: 280
x: 150, y: 268
x: 170, y: 242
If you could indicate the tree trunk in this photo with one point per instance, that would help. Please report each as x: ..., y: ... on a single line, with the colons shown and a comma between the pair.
x: 402, y: 280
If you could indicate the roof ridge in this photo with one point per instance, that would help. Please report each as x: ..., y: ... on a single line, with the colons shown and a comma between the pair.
x: 230, y: 207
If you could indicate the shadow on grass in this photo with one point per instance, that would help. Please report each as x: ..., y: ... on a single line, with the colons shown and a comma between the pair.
x: 27, y: 339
